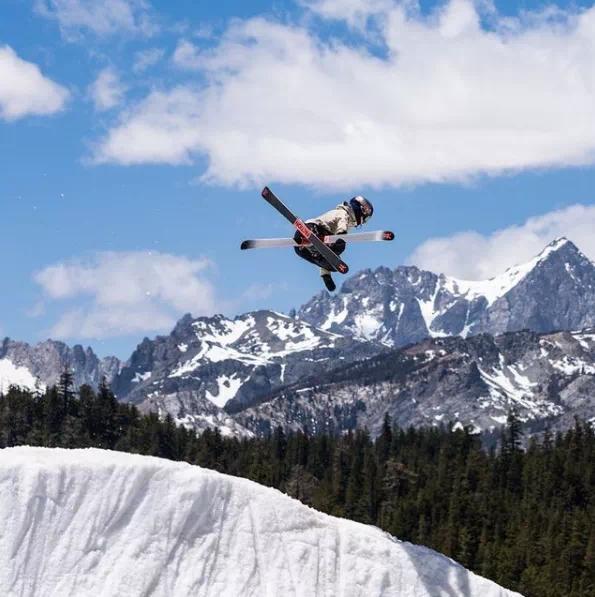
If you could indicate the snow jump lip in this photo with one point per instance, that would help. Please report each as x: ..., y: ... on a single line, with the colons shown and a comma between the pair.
x: 100, y: 522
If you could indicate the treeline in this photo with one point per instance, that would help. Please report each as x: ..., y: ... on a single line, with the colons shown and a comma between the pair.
x: 524, y: 518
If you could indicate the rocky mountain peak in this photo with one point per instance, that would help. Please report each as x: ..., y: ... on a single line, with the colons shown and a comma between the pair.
x: 40, y: 365
x: 209, y: 367
x: 554, y: 290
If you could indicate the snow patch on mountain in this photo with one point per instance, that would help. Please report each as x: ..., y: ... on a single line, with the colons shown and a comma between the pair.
x: 498, y: 286
x: 93, y: 522
x: 218, y: 420
x: 228, y: 387
x: 13, y: 375
x: 40, y: 365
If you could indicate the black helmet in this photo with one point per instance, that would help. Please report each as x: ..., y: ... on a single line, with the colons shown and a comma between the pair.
x: 362, y: 209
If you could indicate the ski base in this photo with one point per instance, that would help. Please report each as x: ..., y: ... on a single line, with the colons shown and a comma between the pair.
x: 356, y: 237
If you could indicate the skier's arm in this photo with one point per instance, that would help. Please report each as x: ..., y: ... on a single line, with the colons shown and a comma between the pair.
x: 342, y: 226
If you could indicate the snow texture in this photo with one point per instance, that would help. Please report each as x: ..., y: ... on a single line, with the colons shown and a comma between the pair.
x: 93, y: 522
x: 497, y: 287
x: 13, y: 375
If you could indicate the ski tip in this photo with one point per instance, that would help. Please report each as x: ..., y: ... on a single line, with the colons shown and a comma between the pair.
x: 266, y: 192
x: 388, y: 235
x: 342, y: 268
x: 245, y: 245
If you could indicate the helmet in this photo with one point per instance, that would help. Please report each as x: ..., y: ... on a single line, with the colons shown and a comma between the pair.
x: 362, y: 209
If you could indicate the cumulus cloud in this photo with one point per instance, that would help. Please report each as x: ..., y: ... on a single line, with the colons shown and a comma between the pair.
x: 126, y: 292
x: 107, y: 90
x: 102, y: 17
x: 474, y: 256
x: 163, y: 129
x: 446, y: 100
x: 24, y: 90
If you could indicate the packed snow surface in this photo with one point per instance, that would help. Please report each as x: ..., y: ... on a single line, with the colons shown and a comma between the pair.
x: 93, y: 522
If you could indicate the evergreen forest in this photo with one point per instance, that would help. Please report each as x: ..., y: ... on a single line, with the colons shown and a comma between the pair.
x: 520, y: 515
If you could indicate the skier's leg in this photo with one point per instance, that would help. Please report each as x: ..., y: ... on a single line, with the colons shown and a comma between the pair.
x: 307, y: 254
x: 338, y: 246
x: 314, y: 257
x: 327, y: 278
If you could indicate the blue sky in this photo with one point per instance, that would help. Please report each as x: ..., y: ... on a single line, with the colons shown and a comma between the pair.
x: 136, y: 136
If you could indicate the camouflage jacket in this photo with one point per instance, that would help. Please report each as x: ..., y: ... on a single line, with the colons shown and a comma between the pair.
x: 337, y: 221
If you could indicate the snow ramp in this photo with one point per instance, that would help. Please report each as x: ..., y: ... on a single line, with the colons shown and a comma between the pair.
x: 77, y: 523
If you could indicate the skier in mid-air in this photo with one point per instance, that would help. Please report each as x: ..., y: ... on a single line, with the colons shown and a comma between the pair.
x: 341, y: 220
x: 318, y: 240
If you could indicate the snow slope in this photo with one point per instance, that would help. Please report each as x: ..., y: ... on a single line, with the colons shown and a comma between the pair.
x: 91, y: 522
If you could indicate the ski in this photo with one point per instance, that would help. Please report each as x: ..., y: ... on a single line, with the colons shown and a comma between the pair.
x: 355, y: 237
x: 331, y: 258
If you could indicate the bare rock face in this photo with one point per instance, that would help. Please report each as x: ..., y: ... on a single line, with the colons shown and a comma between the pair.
x: 547, y: 378
x: 210, y: 367
x: 554, y: 291
x: 43, y: 363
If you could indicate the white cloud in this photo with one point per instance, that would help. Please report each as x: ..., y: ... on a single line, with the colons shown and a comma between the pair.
x: 473, y: 256
x: 126, y: 292
x: 449, y: 100
x: 163, y: 128
x: 102, y: 17
x: 187, y: 56
x: 355, y: 12
x: 106, y: 91
x: 24, y: 90
x: 145, y: 59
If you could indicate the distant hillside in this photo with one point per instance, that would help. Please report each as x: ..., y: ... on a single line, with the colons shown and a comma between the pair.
x: 547, y: 378
x: 40, y: 365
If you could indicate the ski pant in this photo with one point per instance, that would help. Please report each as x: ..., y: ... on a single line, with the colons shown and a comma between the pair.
x: 312, y: 255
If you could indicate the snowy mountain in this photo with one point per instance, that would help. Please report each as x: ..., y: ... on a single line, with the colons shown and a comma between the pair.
x: 549, y: 378
x: 553, y: 291
x: 38, y: 366
x: 229, y: 373
x: 209, y: 363
x: 93, y: 522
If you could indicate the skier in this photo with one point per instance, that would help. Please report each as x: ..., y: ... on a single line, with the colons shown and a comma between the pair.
x: 344, y: 217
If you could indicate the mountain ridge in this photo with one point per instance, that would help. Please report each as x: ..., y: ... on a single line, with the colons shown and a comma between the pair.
x: 548, y: 379
x: 40, y: 365
x: 209, y: 370
x: 554, y: 290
